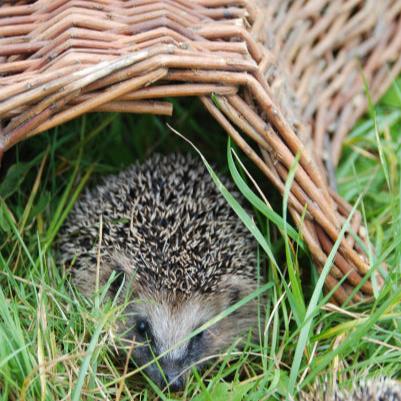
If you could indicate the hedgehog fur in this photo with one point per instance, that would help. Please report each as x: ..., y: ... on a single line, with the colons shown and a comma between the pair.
x: 179, y: 251
x: 380, y: 389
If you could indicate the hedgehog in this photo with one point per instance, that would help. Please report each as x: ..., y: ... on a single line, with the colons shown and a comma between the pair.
x: 380, y: 389
x: 171, y: 242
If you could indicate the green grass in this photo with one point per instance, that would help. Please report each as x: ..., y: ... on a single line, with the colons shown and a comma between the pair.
x: 55, y: 344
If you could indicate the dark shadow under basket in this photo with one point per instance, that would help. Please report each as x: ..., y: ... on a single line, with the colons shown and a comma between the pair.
x: 286, y: 74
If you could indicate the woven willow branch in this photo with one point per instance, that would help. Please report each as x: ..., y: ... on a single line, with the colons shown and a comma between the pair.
x: 286, y: 74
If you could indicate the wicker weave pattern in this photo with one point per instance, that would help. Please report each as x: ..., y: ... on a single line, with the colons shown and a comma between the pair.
x: 60, y: 59
x: 324, y: 49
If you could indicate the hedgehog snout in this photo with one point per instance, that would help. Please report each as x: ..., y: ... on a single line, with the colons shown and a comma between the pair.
x: 174, y: 377
x: 168, y: 373
x: 176, y: 383
x: 175, y: 365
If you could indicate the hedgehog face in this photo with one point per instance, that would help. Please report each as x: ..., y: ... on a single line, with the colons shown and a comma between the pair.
x: 163, y: 325
x: 162, y: 328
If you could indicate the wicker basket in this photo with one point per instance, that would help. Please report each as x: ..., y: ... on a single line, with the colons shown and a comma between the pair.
x: 286, y: 74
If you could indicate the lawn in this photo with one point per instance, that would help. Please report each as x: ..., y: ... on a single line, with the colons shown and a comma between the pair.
x: 55, y: 344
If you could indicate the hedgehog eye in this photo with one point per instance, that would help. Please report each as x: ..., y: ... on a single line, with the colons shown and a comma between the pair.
x: 142, y: 327
x: 195, y: 341
x: 199, y: 335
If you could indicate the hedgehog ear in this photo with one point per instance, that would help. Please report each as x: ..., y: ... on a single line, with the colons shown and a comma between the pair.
x: 236, y: 289
x: 84, y: 277
x: 234, y: 295
x: 114, y: 277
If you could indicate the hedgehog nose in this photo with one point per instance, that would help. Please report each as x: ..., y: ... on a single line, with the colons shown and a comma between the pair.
x: 174, y: 383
